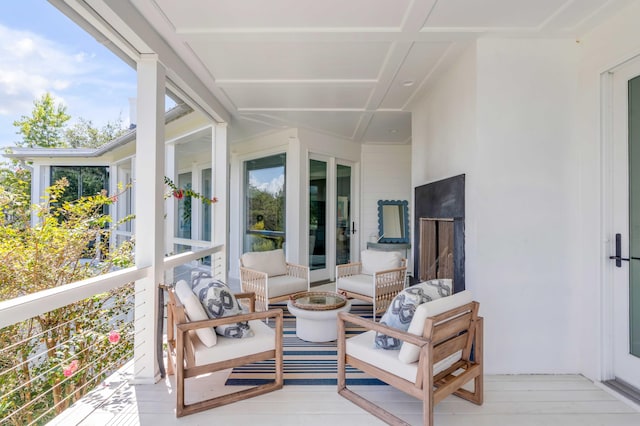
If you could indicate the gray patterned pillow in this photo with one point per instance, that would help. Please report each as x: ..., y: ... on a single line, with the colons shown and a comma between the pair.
x: 400, y: 313
x: 218, y: 301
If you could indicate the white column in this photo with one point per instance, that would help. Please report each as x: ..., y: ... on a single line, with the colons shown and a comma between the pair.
x: 149, y: 213
x: 220, y: 186
x: 170, y: 208
x: 170, y: 205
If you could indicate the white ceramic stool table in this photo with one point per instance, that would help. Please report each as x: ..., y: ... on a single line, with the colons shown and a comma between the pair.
x: 317, y: 314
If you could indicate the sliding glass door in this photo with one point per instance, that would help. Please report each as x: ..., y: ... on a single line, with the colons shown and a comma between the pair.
x: 331, y: 221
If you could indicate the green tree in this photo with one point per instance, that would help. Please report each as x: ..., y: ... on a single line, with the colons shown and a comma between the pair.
x: 53, y: 359
x: 84, y: 134
x: 44, y: 128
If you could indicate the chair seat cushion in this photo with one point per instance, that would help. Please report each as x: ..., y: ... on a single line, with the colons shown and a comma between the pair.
x: 272, y: 262
x: 229, y: 348
x: 401, y: 310
x: 409, y: 353
x: 195, y: 312
x: 362, y: 348
x: 376, y: 261
x: 218, y: 301
x: 286, y: 284
x: 361, y: 284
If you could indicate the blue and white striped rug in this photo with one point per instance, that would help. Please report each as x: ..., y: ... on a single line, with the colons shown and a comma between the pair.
x: 305, y: 363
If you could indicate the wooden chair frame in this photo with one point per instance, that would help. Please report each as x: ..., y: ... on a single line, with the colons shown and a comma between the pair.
x: 457, y: 329
x: 181, y: 357
x: 255, y: 281
x: 386, y: 285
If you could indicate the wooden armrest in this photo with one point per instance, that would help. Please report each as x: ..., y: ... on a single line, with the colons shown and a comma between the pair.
x: 257, y: 274
x: 353, y: 268
x: 248, y: 295
x: 381, y: 328
x: 295, y: 265
x: 194, y: 325
x: 389, y: 271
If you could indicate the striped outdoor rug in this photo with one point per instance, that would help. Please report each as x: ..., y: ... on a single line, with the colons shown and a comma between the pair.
x: 305, y: 363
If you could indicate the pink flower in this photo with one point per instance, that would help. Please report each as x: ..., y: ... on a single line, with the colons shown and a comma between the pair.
x: 179, y: 194
x: 214, y: 200
x: 114, y: 198
x: 114, y: 337
x: 70, y: 369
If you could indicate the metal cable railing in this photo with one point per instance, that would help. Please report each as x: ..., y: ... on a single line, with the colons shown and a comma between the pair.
x: 52, y: 367
x: 53, y: 357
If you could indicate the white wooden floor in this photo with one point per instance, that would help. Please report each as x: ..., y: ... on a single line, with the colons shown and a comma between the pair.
x: 548, y: 400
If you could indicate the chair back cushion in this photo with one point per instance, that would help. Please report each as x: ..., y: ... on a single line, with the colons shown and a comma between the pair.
x: 401, y: 310
x: 195, y: 312
x: 409, y: 353
x: 272, y: 262
x: 375, y: 261
x: 218, y: 301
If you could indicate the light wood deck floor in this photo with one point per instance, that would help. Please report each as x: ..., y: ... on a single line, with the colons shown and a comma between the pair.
x: 548, y: 400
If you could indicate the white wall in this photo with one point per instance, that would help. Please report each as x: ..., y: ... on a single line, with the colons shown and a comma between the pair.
x: 523, y: 238
x: 602, y: 49
x: 385, y: 176
x: 502, y: 115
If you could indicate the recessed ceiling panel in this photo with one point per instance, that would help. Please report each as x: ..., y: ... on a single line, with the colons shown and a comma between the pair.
x: 237, y: 60
x: 338, y: 123
x: 419, y: 62
x: 574, y: 15
x: 386, y: 127
x: 234, y: 14
x: 297, y: 95
x: 492, y: 13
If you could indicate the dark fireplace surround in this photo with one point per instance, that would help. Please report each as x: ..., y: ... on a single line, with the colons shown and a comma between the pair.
x: 439, y: 231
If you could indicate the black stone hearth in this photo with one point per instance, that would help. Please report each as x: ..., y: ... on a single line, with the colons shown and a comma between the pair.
x: 443, y: 199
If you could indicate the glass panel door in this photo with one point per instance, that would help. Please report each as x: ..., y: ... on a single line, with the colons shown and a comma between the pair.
x: 634, y: 216
x: 343, y: 214
x: 317, y: 214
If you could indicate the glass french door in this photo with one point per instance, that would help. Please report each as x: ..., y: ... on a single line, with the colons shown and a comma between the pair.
x: 331, y: 219
x: 625, y: 261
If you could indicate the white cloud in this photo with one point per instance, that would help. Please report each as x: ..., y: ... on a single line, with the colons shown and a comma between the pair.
x: 92, y: 85
x: 272, y: 187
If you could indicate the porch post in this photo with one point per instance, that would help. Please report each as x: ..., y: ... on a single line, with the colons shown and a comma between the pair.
x: 149, y: 213
x: 220, y: 210
x: 169, y: 203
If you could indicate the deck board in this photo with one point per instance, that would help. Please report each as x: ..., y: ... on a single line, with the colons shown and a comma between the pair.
x: 523, y: 400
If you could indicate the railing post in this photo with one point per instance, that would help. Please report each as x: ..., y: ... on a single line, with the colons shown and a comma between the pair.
x: 150, y: 158
x: 220, y: 210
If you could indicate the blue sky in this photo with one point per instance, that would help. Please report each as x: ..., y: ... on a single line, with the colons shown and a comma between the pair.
x: 41, y: 50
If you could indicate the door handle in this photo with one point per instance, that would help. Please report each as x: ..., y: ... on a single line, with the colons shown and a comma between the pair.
x: 618, y: 257
x: 353, y: 227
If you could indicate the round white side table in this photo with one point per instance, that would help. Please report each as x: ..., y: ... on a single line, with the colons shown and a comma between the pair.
x: 317, y: 326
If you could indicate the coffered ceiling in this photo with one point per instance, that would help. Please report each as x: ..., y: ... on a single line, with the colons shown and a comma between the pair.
x: 347, y: 68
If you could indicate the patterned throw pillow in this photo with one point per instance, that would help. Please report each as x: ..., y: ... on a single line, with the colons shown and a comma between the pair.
x: 218, y: 301
x: 400, y: 313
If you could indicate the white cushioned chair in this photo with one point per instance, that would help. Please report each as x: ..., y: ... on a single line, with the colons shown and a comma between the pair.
x: 377, y: 278
x: 271, y: 277
x: 194, y: 349
x: 444, y: 337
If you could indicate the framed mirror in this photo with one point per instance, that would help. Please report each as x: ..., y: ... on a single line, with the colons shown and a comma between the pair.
x: 393, y: 221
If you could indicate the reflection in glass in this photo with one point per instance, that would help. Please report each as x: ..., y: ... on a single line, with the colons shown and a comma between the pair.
x: 265, y: 203
x: 393, y: 221
x: 317, y: 214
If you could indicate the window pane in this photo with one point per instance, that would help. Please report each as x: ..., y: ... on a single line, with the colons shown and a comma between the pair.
x: 265, y: 203
x: 317, y: 214
x: 183, y: 218
x: 205, y: 230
